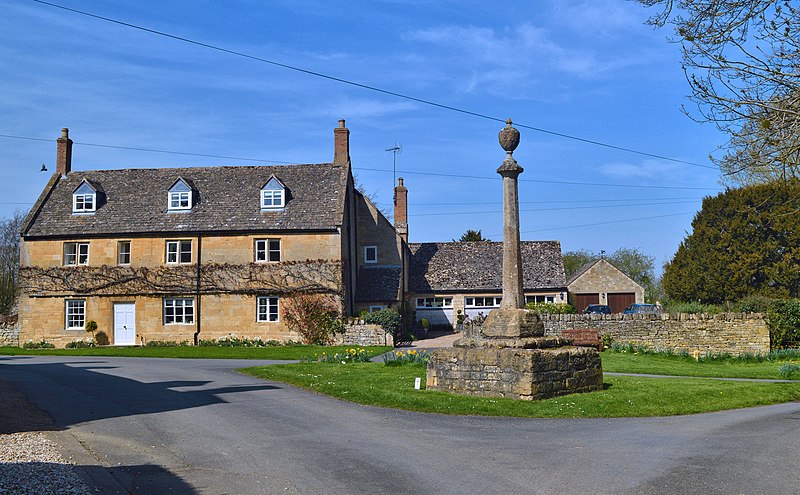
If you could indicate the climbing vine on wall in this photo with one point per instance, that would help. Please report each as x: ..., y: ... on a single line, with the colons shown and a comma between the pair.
x: 310, y: 276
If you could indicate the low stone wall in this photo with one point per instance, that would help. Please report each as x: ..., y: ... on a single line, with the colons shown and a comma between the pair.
x: 9, y: 330
x: 734, y: 333
x: 526, y: 374
x: 364, y: 334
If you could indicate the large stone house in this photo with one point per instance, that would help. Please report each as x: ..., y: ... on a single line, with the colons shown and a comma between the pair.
x: 451, y: 278
x: 184, y: 254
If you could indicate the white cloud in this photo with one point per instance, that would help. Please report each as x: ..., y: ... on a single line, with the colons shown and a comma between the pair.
x: 366, y: 108
x: 647, y: 169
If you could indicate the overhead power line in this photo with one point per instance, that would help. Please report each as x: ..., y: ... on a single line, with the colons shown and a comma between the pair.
x: 149, y: 150
x: 407, y: 172
x: 367, y: 86
x: 610, y: 222
x: 550, y: 209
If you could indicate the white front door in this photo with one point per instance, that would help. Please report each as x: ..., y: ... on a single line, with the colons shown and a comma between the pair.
x: 124, y: 324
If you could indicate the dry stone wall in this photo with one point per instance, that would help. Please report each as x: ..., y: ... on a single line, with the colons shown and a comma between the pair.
x: 734, y: 333
x: 364, y: 334
x: 9, y: 331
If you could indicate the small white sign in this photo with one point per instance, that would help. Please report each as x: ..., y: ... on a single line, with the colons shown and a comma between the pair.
x: 417, y: 382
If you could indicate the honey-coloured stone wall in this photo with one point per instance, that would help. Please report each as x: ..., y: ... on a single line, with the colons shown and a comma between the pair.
x: 734, y: 333
x: 523, y: 374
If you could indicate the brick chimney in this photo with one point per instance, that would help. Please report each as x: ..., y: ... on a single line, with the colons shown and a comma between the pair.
x: 64, y: 153
x: 401, y: 209
x: 341, y: 144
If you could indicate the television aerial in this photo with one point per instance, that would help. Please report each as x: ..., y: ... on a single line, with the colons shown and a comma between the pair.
x: 396, y: 150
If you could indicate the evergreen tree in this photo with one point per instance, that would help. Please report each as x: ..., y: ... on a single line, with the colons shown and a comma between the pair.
x: 744, y: 242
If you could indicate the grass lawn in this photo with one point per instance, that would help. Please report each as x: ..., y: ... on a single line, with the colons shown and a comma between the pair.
x: 277, y: 352
x: 393, y: 386
x: 654, y: 364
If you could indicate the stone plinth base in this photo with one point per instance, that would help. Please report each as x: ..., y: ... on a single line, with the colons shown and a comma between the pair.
x: 503, y: 323
x: 515, y: 373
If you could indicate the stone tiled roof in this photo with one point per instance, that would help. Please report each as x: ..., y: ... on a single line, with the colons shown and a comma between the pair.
x: 227, y: 199
x: 465, y: 266
x: 582, y: 270
x: 378, y: 284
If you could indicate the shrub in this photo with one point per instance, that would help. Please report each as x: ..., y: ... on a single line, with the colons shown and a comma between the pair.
x: 783, y: 318
x: 551, y: 308
x: 315, y: 317
x: 753, y: 304
x: 101, y: 338
x: 43, y: 344
x: 80, y: 344
x: 166, y: 343
x: 91, y: 327
x: 692, y: 307
x: 387, y: 318
x: 234, y: 341
x: 607, y: 341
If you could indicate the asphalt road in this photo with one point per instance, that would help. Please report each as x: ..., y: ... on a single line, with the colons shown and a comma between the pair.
x: 196, y: 426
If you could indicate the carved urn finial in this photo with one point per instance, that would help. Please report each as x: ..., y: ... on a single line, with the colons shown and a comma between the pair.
x: 509, y: 137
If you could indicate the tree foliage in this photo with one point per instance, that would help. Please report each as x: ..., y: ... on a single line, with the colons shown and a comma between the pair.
x: 471, y: 236
x: 9, y: 260
x: 741, y: 62
x: 744, y: 242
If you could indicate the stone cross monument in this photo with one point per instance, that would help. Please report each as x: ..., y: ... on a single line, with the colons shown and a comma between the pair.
x: 508, y: 355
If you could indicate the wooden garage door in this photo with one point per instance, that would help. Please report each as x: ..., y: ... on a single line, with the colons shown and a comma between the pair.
x: 583, y: 300
x: 619, y: 301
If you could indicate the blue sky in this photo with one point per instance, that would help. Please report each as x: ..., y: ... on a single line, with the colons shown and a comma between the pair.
x: 590, y: 69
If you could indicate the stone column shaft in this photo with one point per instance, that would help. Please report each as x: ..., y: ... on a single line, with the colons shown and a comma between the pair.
x: 513, y: 295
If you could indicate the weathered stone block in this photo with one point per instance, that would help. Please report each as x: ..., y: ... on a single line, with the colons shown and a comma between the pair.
x: 512, y: 323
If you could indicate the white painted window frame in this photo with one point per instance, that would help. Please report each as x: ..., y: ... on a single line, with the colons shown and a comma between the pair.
x: 79, y: 256
x: 179, y: 200
x: 268, y: 309
x: 175, y: 248
x: 272, y: 199
x: 268, y: 250
x: 178, y: 307
x: 75, y: 312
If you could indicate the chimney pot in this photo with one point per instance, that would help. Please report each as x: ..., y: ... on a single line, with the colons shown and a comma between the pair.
x: 401, y: 209
x: 64, y: 153
x: 341, y: 144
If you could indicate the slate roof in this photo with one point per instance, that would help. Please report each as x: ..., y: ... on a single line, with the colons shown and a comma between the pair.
x: 378, y: 284
x: 477, y: 266
x: 227, y: 199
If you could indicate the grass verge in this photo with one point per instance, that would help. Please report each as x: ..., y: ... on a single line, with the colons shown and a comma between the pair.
x: 278, y: 352
x: 378, y: 385
x: 655, y: 364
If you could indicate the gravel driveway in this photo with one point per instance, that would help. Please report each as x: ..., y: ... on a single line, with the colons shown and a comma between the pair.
x: 30, y: 462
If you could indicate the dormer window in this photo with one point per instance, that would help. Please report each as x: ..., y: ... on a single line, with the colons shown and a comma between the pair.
x: 84, y: 198
x: 273, y: 194
x: 179, y: 196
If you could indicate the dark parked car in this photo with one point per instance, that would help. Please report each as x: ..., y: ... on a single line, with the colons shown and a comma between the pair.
x: 597, y: 309
x: 635, y: 309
